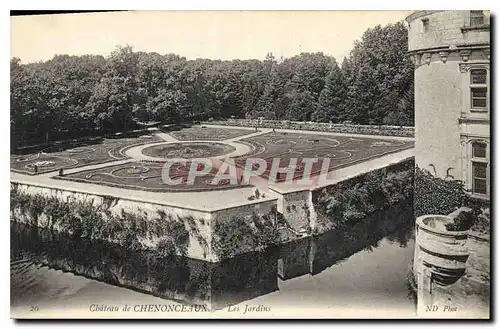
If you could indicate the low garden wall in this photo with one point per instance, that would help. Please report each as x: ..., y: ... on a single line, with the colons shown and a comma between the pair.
x: 380, y: 130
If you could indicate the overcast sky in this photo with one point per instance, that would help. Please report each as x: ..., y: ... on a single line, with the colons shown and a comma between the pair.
x: 197, y: 34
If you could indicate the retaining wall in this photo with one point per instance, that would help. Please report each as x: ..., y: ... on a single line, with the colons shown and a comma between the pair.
x: 198, y: 223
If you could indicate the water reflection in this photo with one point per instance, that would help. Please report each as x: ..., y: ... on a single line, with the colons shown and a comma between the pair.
x: 197, y: 282
x: 317, y: 254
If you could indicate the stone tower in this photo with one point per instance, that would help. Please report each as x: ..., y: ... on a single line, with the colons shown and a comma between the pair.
x: 451, y: 52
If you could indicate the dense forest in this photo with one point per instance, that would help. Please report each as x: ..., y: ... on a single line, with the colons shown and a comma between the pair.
x: 72, y: 96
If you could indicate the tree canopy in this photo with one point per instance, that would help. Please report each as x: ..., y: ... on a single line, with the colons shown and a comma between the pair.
x: 72, y: 96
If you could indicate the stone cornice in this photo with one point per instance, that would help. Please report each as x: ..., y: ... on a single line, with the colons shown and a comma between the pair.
x: 471, y: 46
x: 483, y: 27
x: 457, y: 48
x: 429, y: 50
x: 473, y: 120
x: 426, y: 55
x: 420, y: 13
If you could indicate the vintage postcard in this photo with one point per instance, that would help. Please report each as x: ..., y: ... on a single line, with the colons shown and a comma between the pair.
x: 250, y: 165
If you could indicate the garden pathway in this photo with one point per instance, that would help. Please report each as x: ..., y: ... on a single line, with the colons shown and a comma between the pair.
x: 83, y: 168
x: 136, y: 152
x: 257, y: 133
x: 167, y: 137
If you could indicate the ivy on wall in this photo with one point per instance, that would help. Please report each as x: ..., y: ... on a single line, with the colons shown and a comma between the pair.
x: 255, y: 233
x: 83, y: 219
x: 434, y: 195
x: 437, y: 196
x: 353, y: 199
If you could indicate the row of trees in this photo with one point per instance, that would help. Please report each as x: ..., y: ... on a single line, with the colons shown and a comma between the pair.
x: 70, y: 96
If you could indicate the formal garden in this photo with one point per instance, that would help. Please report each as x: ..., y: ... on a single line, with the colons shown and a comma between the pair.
x: 77, y: 154
x: 145, y: 171
x: 147, y: 175
x: 342, y: 151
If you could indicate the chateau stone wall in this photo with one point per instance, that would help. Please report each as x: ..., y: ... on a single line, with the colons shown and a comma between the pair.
x: 444, y: 29
x: 437, y: 129
x: 445, y: 46
x: 381, y: 130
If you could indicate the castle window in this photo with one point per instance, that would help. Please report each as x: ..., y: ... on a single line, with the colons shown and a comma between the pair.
x: 479, y: 150
x: 478, y: 76
x: 479, y: 89
x: 425, y: 25
x: 480, y: 180
x: 476, y: 18
x: 479, y: 183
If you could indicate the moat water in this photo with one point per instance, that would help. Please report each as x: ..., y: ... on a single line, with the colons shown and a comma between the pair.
x: 358, y: 270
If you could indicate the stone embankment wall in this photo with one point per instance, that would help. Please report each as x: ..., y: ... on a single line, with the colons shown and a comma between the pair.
x: 316, y: 211
x: 354, y: 198
x: 296, y: 208
x: 379, y: 130
x: 215, y: 234
x: 198, y: 225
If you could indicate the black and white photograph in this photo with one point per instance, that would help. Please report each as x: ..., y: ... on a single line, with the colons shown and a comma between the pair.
x: 285, y: 164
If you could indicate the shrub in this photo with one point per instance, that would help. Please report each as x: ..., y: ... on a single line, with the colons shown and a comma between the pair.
x: 164, y: 248
x: 84, y: 220
x: 179, y: 236
x: 35, y: 208
x: 462, y: 222
x: 257, y: 193
x: 18, y: 200
x: 481, y: 224
x: 355, y: 198
x: 434, y: 195
x: 230, y: 236
x: 257, y: 233
x: 265, y: 231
